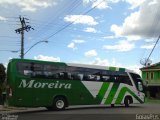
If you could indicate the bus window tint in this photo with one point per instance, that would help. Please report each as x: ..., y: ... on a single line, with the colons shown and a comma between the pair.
x: 30, y: 69
x: 105, y: 78
x: 116, y: 76
x: 24, y: 69
x: 75, y: 73
x: 136, y: 78
x: 41, y: 71
x: 80, y: 76
x: 124, y: 79
x: 91, y: 77
x: 92, y: 74
x: 49, y: 71
x: 55, y: 71
x: 37, y: 70
x: 98, y: 78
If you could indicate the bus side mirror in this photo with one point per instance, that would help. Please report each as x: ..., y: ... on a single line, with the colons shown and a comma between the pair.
x: 145, y: 83
x: 140, y: 86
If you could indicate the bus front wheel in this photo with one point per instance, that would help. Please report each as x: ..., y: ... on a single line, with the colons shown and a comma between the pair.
x: 59, y: 103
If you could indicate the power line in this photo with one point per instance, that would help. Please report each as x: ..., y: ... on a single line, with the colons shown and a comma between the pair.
x: 73, y: 21
x: 13, y: 51
x: 8, y: 36
x: 69, y: 24
x: 66, y: 26
x: 11, y: 17
x: 152, y: 49
x: 64, y: 9
x: 150, y: 30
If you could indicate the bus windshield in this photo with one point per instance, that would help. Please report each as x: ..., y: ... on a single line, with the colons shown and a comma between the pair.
x: 137, y: 81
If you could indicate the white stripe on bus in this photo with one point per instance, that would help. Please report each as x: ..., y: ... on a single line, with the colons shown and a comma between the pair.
x: 107, y: 93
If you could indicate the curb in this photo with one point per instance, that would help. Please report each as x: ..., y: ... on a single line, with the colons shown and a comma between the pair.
x: 14, y: 110
x: 4, y: 109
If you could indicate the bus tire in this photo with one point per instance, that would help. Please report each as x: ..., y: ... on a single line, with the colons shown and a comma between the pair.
x: 127, y: 101
x: 59, y: 103
x: 50, y: 108
x: 112, y: 105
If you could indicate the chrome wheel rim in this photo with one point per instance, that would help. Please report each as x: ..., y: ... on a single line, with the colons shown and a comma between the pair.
x: 60, y: 104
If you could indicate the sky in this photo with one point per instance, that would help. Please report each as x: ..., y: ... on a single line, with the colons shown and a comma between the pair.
x: 118, y: 33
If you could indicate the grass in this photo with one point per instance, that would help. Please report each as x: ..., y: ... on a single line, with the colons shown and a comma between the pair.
x: 152, y: 100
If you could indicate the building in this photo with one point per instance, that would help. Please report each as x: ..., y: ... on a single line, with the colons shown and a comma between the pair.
x: 151, y: 75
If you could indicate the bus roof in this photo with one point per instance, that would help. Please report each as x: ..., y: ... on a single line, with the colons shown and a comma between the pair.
x: 78, y: 65
x: 101, y: 67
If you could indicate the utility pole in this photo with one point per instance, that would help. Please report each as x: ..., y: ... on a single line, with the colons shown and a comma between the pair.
x: 21, y: 31
x: 23, y: 24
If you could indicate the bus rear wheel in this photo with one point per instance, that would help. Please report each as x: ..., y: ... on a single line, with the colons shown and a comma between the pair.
x: 59, y: 103
x: 127, y: 101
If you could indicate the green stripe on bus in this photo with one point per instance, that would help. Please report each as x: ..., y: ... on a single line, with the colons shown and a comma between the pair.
x: 112, y: 93
x: 112, y: 68
x: 102, y: 91
x: 122, y: 93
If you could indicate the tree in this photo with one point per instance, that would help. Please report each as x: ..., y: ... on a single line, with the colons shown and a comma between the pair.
x: 2, y: 73
x: 2, y: 83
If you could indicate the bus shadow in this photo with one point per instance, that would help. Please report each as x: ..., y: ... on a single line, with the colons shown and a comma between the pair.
x: 101, y: 107
x: 70, y: 109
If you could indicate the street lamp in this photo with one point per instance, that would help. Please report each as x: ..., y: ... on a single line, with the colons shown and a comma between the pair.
x: 45, y: 41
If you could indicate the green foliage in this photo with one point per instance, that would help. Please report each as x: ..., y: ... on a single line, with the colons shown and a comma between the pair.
x: 2, y: 74
x: 2, y: 83
x: 151, y: 100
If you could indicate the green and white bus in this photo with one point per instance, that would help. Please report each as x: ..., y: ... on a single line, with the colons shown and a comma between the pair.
x: 57, y: 85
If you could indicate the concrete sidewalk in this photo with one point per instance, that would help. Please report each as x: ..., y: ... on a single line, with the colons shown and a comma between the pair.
x: 10, y: 110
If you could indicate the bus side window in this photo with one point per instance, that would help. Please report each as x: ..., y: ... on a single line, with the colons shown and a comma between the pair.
x: 69, y: 76
x: 125, y: 80
x: 24, y: 69
x: 77, y: 76
x: 105, y: 78
x: 27, y: 72
x: 128, y: 81
x: 90, y: 77
x: 85, y: 77
x: 80, y: 76
x: 61, y: 75
x: 50, y: 75
x: 98, y: 78
x: 112, y: 79
x: 56, y: 76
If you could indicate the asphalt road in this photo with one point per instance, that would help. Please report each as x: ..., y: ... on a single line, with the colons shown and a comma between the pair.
x: 139, y: 112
